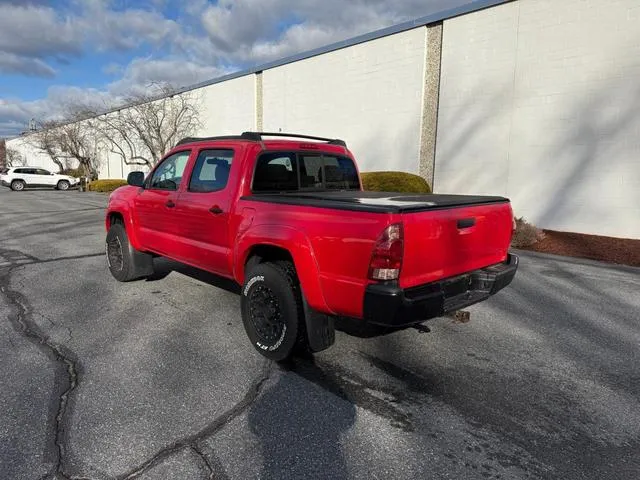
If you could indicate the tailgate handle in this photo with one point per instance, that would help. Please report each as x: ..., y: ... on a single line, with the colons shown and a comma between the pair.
x: 466, y: 222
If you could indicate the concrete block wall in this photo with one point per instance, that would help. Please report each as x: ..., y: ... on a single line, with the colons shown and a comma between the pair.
x: 369, y: 94
x: 540, y: 101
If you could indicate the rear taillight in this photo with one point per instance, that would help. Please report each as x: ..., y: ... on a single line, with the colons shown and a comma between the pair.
x: 386, y: 259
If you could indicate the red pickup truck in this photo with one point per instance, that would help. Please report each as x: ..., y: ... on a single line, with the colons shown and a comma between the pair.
x: 288, y: 220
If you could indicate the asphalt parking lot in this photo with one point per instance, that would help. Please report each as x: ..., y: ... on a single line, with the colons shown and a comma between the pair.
x: 156, y: 379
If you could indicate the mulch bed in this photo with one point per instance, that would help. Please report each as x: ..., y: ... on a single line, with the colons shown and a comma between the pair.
x: 623, y: 251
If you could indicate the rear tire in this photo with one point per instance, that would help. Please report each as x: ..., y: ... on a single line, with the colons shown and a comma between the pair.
x: 63, y: 185
x: 272, y: 310
x: 125, y: 262
x: 18, y: 185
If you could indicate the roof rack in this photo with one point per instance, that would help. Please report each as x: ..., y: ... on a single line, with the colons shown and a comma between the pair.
x: 257, y: 137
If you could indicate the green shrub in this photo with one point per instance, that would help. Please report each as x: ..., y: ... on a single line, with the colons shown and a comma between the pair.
x: 394, y: 182
x: 106, y: 186
x: 526, y: 234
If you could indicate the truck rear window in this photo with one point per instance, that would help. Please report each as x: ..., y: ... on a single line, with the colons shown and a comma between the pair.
x: 293, y: 171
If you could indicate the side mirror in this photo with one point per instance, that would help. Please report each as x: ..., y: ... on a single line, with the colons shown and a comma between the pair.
x: 135, y: 179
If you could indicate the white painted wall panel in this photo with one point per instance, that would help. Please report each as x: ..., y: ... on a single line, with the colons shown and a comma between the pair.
x: 32, y: 156
x: 369, y: 94
x: 228, y: 108
x: 540, y: 102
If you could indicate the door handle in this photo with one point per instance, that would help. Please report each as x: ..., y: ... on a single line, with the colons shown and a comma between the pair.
x: 216, y: 210
x: 466, y: 222
x: 170, y: 204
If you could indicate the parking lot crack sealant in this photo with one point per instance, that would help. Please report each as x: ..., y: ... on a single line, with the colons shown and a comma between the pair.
x: 193, y: 442
x: 21, y: 319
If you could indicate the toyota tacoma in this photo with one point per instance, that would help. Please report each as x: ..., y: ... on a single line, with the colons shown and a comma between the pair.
x: 286, y: 218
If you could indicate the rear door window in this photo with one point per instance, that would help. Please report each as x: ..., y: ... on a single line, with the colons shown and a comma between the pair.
x: 294, y: 171
x: 211, y: 171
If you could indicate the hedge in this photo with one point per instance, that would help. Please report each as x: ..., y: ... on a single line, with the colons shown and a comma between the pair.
x: 105, y: 186
x: 394, y: 182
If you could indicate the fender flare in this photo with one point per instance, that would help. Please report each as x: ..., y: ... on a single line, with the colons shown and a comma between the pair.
x: 299, y: 247
x: 124, y: 212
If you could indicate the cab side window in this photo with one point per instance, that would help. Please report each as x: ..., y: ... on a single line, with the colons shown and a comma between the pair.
x: 168, y: 176
x: 211, y: 171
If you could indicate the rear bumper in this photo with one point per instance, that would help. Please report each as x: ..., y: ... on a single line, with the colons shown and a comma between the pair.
x: 390, y: 305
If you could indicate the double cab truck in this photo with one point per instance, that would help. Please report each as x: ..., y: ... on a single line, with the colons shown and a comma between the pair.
x: 286, y: 217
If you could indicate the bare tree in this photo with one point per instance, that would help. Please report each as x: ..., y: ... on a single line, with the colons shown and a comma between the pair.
x: 71, y: 138
x: 150, y: 125
x: 46, y: 139
x: 14, y: 158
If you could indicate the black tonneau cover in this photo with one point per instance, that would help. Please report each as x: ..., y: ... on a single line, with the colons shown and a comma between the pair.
x: 376, y: 202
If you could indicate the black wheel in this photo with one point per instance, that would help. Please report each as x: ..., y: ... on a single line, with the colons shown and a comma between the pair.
x: 272, y: 311
x: 18, y: 185
x: 63, y: 185
x: 125, y: 263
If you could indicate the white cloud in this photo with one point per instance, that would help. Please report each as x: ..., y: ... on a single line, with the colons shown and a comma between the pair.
x: 142, y: 72
x: 14, y: 64
x: 125, y: 29
x: 31, y: 34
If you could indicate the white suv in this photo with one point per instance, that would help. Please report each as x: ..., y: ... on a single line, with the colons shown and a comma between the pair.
x: 19, y: 178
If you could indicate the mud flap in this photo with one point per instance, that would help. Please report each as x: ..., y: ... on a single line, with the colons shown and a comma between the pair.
x: 321, y: 331
x: 142, y: 262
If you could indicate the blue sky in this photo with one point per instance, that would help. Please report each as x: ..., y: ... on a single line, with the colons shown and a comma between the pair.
x: 98, y: 52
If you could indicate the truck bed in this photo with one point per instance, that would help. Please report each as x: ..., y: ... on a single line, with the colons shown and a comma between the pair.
x: 375, y: 202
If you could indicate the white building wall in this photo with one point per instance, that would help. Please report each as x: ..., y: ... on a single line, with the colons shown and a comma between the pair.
x: 539, y: 101
x: 369, y: 95
x: 31, y: 155
x: 228, y: 108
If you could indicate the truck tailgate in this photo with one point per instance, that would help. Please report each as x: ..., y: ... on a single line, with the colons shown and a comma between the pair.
x: 446, y: 242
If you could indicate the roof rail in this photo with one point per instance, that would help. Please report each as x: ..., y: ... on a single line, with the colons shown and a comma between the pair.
x: 245, y: 136
x: 332, y: 141
x: 257, y: 137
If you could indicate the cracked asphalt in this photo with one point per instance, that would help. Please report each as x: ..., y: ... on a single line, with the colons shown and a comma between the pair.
x: 156, y: 379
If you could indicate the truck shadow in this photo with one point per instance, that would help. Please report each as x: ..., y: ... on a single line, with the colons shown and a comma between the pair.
x: 163, y: 267
x: 294, y: 443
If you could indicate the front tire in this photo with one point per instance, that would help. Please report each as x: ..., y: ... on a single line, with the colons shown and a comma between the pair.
x: 63, y: 185
x: 18, y: 185
x: 272, y: 310
x: 125, y: 262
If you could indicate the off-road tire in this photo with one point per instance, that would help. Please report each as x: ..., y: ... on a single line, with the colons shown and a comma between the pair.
x: 279, y: 283
x: 132, y: 264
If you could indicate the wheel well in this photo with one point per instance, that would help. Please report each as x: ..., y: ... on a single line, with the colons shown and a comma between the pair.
x: 115, y: 218
x: 266, y: 253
